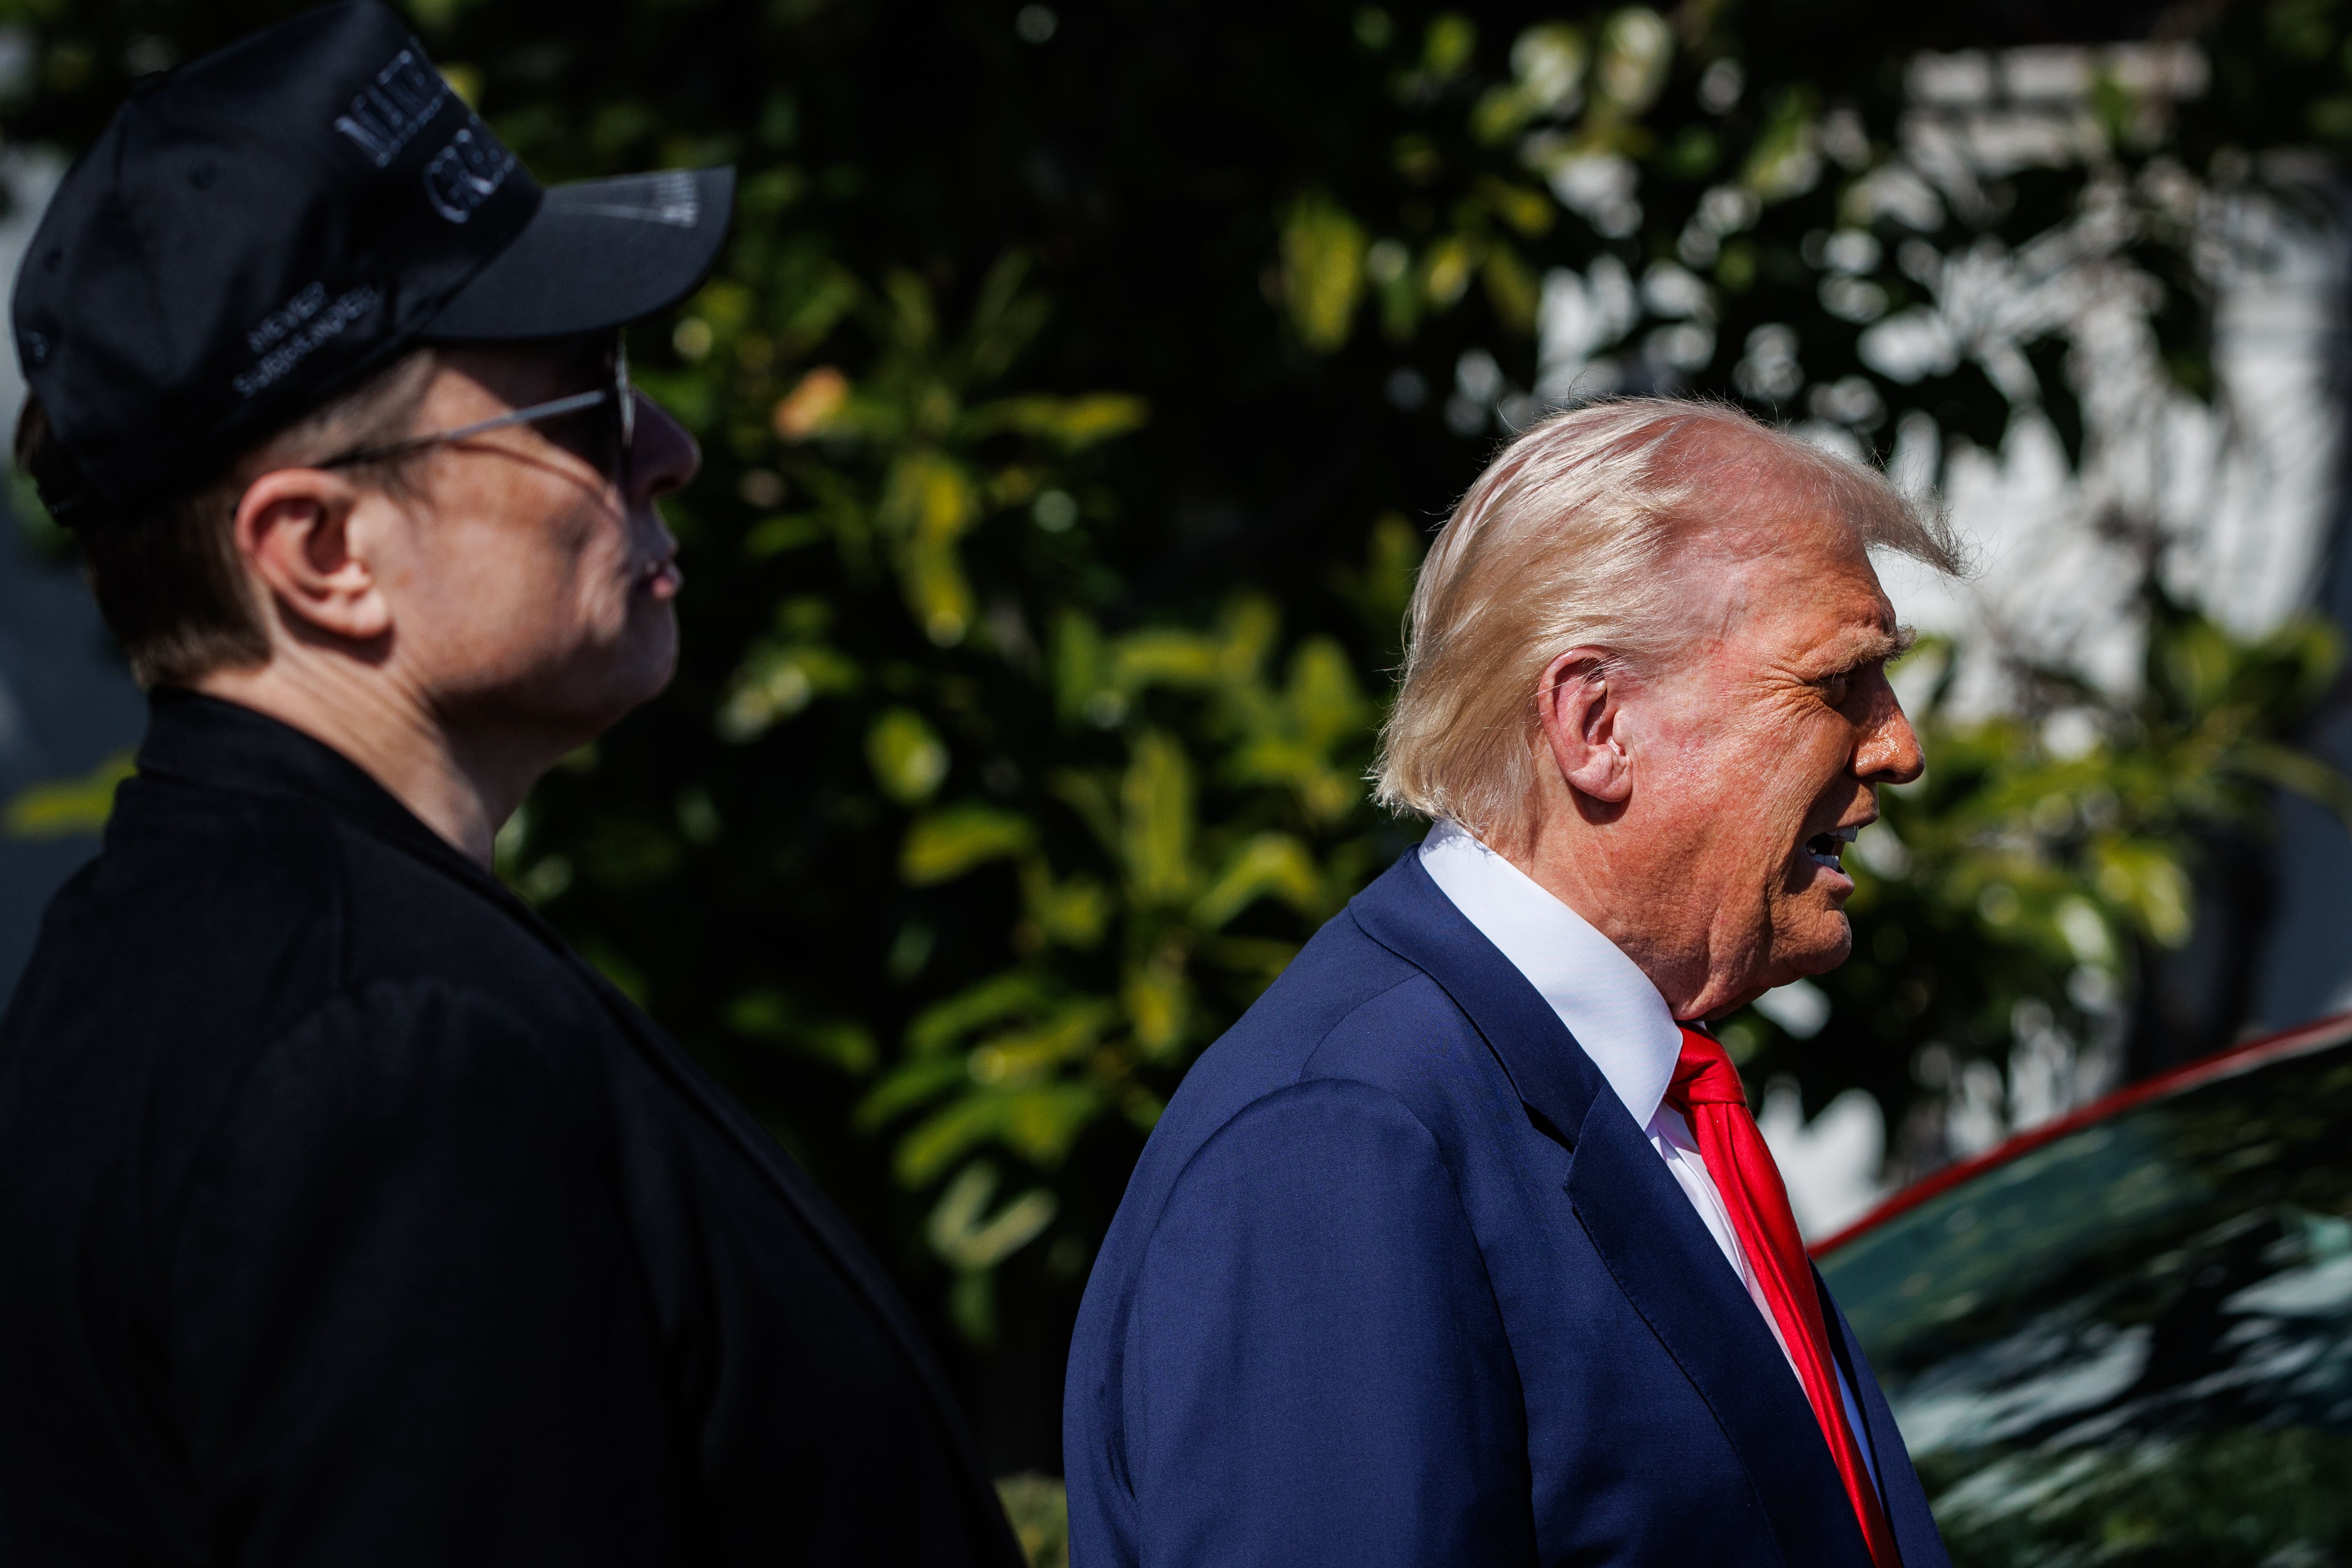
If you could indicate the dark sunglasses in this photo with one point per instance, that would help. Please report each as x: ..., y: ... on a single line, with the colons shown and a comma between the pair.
x: 619, y: 434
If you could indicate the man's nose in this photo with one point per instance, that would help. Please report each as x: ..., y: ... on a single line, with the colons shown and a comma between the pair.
x: 663, y: 457
x: 1889, y: 752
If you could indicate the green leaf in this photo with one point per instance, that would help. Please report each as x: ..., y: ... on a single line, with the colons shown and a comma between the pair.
x: 1322, y: 269
x: 779, y: 535
x: 1040, y: 1512
x: 952, y: 841
x: 1511, y: 288
x: 1013, y: 994
x: 912, y: 1084
x: 1546, y: 80
x: 1784, y: 162
x: 964, y: 1234
x: 1090, y: 797
x: 1548, y: 62
x: 1003, y: 319
x: 64, y: 808
x: 817, y: 292
x: 1446, y: 270
x: 1156, y: 821
x: 776, y: 682
x: 1021, y: 1058
x: 960, y: 1128
x: 911, y: 323
x: 1043, y: 1124
x: 927, y: 505
x: 909, y: 761
x: 1040, y: 1124
x: 768, y: 1014
x: 1073, y: 913
x: 1080, y: 667
x: 2147, y: 882
x: 1158, y: 1000
x: 1502, y: 111
x: 1246, y: 633
x: 1181, y: 660
x: 1073, y: 424
x: 1266, y: 864
x: 1448, y: 45
x: 1529, y: 212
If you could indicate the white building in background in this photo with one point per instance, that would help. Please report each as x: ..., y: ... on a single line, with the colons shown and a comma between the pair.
x: 2240, y: 492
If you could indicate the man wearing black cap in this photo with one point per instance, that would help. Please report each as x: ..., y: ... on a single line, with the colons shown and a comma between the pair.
x: 347, y: 1218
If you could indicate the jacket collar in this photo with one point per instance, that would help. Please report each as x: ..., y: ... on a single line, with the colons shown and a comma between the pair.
x: 193, y: 738
x: 1654, y: 1245
x: 1406, y: 912
x: 1607, y: 1003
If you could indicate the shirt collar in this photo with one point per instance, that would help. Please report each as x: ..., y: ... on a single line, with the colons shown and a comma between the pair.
x: 1605, y: 1000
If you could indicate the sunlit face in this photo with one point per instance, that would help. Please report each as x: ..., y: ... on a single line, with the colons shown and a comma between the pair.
x: 1770, y: 741
x: 537, y: 588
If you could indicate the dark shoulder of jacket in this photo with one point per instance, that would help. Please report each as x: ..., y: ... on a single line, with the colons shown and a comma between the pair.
x: 210, y: 924
x: 208, y: 914
x: 1341, y: 983
x: 412, y: 915
x: 213, y: 923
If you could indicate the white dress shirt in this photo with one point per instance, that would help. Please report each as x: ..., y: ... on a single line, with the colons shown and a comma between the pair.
x: 1619, y: 1019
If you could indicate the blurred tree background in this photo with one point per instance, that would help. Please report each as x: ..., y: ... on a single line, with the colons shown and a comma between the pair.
x: 1078, y: 394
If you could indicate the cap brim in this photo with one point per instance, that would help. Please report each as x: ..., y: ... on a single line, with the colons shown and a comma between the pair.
x: 599, y: 255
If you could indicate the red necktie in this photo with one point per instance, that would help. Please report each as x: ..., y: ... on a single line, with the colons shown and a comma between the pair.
x: 1707, y: 1090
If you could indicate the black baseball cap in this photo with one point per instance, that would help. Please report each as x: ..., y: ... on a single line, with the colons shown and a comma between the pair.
x: 262, y: 227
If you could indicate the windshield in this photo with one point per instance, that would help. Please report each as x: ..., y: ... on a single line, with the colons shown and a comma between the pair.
x: 2134, y: 1345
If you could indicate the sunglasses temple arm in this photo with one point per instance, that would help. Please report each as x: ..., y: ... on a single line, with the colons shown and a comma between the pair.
x: 467, y: 432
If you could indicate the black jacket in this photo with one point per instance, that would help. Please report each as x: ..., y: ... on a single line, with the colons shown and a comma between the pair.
x: 348, y: 1217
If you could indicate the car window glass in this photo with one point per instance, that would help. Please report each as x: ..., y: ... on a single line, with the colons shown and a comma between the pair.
x: 2134, y: 1345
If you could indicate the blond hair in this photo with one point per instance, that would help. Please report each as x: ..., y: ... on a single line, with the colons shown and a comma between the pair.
x: 1563, y: 543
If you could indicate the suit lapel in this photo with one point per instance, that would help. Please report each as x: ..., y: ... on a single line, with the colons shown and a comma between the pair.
x: 1671, y: 1271
x: 1654, y: 1245
x: 1916, y: 1536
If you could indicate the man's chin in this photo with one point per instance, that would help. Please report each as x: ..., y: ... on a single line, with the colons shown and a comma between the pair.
x: 1827, y: 942
x: 636, y: 671
x: 582, y: 701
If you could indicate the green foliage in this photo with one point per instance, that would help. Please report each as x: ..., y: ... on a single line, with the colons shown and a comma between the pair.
x: 1041, y: 1518
x: 1169, y: 809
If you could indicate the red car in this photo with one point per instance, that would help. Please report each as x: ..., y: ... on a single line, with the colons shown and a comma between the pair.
x: 2126, y: 1337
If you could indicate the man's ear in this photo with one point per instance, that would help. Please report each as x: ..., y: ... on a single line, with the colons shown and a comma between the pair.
x: 1580, y: 705
x: 294, y: 531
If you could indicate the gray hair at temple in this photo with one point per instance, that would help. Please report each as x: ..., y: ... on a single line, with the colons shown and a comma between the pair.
x: 1565, y: 542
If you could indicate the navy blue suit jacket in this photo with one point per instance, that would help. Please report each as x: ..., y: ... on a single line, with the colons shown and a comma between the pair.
x: 1398, y: 1280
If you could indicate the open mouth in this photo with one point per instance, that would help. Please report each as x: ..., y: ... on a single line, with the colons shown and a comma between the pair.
x: 1825, y: 847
